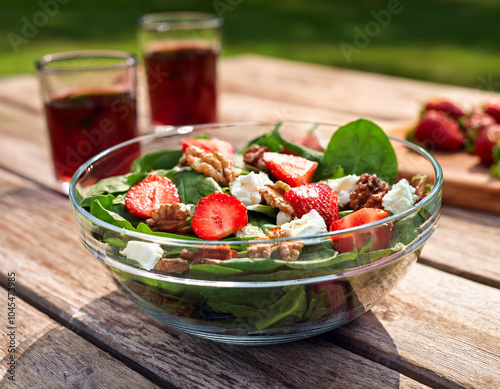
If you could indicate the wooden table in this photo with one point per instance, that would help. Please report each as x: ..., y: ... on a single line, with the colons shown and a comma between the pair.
x: 440, y: 327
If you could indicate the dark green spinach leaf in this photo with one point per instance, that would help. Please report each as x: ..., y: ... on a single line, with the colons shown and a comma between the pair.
x: 362, y: 147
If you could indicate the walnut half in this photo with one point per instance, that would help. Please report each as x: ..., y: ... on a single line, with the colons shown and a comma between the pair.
x: 213, y: 165
x: 170, y: 217
x: 369, y: 192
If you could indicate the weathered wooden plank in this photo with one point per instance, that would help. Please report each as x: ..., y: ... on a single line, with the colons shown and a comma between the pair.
x: 51, y: 356
x: 359, y: 93
x: 60, y: 277
x: 442, y: 328
x: 466, y: 244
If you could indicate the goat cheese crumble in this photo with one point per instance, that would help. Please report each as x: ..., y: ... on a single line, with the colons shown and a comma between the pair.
x: 246, y: 187
x: 400, y: 198
x: 343, y: 187
x: 311, y: 223
x: 144, y: 253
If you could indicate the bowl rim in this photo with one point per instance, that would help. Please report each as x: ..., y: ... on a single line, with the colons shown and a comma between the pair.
x: 171, y: 131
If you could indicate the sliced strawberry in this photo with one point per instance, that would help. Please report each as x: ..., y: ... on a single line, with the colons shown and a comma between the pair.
x: 486, y: 139
x: 150, y: 194
x: 218, y: 215
x: 438, y: 131
x: 309, y: 140
x: 446, y: 106
x: 381, y: 235
x: 211, y: 145
x: 318, y: 196
x: 493, y: 109
x: 292, y: 169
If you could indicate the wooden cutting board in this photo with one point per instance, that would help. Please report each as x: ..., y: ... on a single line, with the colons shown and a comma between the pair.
x: 467, y: 183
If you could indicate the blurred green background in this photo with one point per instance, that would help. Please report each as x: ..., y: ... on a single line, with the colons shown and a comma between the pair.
x: 448, y: 41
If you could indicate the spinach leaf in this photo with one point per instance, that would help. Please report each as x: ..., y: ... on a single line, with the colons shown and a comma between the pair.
x: 165, y: 159
x: 301, y: 151
x: 264, y: 209
x: 261, y: 308
x: 191, y: 185
x: 105, y: 200
x: 110, y: 185
x: 362, y: 147
x: 407, y: 229
x: 99, y: 211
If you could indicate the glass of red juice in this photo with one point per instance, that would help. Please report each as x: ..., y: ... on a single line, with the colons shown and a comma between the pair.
x: 180, y: 51
x: 90, y: 105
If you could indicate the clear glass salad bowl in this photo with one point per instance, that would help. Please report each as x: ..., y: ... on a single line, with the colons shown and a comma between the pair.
x: 256, y: 302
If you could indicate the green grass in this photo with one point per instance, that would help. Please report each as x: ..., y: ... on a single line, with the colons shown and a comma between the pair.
x: 447, y: 41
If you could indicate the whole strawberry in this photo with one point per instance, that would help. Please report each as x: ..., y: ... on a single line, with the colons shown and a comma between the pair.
x: 436, y: 130
x: 493, y: 109
x: 318, y: 196
x: 472, y: 125
x: 486, y: 139
x: 446, y: 106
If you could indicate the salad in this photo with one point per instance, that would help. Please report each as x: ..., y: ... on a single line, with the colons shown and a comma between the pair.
x: 261, y: 213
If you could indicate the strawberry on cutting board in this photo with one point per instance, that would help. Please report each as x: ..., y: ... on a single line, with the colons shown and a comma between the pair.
x: 292, y: 169
x: 150, y: 194
x: 211, y: 145
x: 446, y: 106
x: 381, y: 235
x: 486, y: 139
x: 318, y: 196
x: 218, y: 215
x: 436, y: 130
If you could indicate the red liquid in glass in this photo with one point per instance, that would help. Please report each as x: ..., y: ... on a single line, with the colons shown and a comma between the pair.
x: 84, y: 123
x: 182, y: 84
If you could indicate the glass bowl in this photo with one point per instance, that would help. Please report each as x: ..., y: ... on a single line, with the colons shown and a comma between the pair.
x: 256, y: 302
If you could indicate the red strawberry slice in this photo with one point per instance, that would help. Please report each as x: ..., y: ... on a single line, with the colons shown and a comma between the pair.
x: 211, y: 145
x: 318, y: 196
x: 381, y: 235
x: 438, y: 131
x: 493, y: 109
x: 486, y: 139
x: 150, y: 194
x: 446, y: 106
x: 292, y: 169
x: 218, y: 215
x: 309, y: 140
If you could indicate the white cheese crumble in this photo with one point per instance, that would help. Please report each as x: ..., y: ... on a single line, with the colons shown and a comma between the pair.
x: 400, y: 198
x: 146, y: 254
x: 283, y: 217
x: 246, y: 187
x: 250, y: 231
x: 343, y: 187
x: 311, y: 223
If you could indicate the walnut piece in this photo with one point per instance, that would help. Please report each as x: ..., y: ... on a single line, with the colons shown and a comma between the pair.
x: 253, y: 156
x: 172, y: 265
x: 213, y: 165
x: 170, y: 217
x: 273, y: 195
x: 287, y: 251
x: 205, y: 261
x: 290, y: 251
x: 368, y: 193
x: 261, y: 250
x: 419, y: 182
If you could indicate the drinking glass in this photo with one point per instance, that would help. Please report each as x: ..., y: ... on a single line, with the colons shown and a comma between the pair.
x: 180, y: 51
x: 90, y: 104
